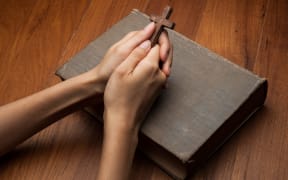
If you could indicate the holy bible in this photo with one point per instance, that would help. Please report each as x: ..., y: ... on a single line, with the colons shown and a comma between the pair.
x: 208, y: 98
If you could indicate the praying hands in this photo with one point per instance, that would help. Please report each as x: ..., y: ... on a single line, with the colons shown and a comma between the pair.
x: 128, y: 78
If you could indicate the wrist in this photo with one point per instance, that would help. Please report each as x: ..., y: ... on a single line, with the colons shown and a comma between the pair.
x: 85, y: 89
x: 119, y: 146
x: 95, y: 81
x: 122, y: 125
x: 98, y: 78
x: 122, y: 136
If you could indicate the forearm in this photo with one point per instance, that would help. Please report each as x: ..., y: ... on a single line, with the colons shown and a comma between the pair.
x: 118, y: 150
x: 129, y: 94
x: 25, y: 117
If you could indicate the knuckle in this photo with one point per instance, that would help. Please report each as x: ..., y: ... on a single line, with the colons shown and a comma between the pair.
x: 131, y: 33
x: 151, y: 67
x: 140, y: 34
x: 161, y: 79
x: 138, y: 53
x: 120, y: 51
x: 154, y: 66
x: 119, y: 72
x: 111, y: 48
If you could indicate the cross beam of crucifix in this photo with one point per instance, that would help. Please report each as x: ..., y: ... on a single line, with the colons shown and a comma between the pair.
x: 161, y: 22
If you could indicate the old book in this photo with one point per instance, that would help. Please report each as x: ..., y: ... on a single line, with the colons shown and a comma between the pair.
x: 207, y: 100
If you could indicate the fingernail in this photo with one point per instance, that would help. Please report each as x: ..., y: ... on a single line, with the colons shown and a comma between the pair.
x: 149, y: 26
x: 145, y: 45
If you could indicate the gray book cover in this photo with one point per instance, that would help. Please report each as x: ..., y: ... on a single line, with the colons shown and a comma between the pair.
x: 205, y: 91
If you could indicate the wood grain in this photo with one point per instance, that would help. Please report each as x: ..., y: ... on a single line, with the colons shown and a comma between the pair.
x: 36, y: 37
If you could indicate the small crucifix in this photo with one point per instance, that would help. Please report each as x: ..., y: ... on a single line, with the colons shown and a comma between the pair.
x: 161, y: 22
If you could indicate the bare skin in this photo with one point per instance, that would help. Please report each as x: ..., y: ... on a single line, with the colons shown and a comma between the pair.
x: 130, y: 79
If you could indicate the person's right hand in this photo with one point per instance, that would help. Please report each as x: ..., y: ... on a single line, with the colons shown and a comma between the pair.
x: 129, y: 93
x: 133, y: 87
x: 118, y: 52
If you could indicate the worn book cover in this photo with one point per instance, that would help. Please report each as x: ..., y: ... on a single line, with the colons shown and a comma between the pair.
x: 207, y: 100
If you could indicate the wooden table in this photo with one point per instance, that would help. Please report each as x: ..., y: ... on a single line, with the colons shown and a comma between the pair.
x: 36, y: 37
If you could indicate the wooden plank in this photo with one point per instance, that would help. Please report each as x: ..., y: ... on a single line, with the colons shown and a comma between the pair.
x: 233, y: 29
x: 35, y: 37
x: 256, y: 152
x: 270, y: 142
x: 36, y: 33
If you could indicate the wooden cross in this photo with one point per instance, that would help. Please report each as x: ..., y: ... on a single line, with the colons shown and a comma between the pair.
x: 161, y: 22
